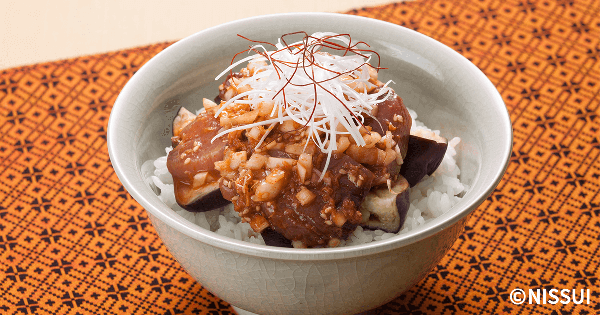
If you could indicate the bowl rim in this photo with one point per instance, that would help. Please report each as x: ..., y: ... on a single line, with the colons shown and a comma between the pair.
x: 213, y: 239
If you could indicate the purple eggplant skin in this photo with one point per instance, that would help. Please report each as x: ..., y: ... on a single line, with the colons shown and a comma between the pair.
x: 423, y: 157
x: 273, y: 238
x: 402, y: 204
x: 205, y: 198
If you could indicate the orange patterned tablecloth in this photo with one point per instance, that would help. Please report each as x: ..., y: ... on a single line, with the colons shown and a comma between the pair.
x: 72, y: 241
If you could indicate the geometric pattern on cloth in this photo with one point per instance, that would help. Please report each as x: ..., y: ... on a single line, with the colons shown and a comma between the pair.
x: 72, y: 241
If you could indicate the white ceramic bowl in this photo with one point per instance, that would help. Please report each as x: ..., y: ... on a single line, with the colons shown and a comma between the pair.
x: 447, y: 91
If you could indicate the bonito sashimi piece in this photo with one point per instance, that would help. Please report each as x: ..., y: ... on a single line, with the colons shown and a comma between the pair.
x: 192, y: 161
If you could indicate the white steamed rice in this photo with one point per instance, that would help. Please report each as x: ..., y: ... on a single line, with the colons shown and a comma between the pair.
x: 432, y: 197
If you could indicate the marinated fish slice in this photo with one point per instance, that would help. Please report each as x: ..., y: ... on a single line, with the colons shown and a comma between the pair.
x: 191, y: 163
x: 392, y: 115
x: 391, y: 118
x: 331, y: 215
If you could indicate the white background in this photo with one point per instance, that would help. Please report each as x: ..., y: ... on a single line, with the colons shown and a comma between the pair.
x: 38, y: 31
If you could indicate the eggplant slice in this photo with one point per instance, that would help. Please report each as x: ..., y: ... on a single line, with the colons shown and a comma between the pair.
x: 386, y: 209
x: 205, y: 198
x: 194, y: 154
x: 425, y: 154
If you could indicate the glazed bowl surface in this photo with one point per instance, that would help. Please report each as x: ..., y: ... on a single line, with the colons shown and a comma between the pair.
x: 447, y: 91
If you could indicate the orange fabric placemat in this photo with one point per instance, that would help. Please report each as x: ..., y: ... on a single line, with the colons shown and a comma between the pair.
x: 72, y: 241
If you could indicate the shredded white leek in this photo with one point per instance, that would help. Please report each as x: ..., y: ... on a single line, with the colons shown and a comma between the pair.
x: 309, y: 87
